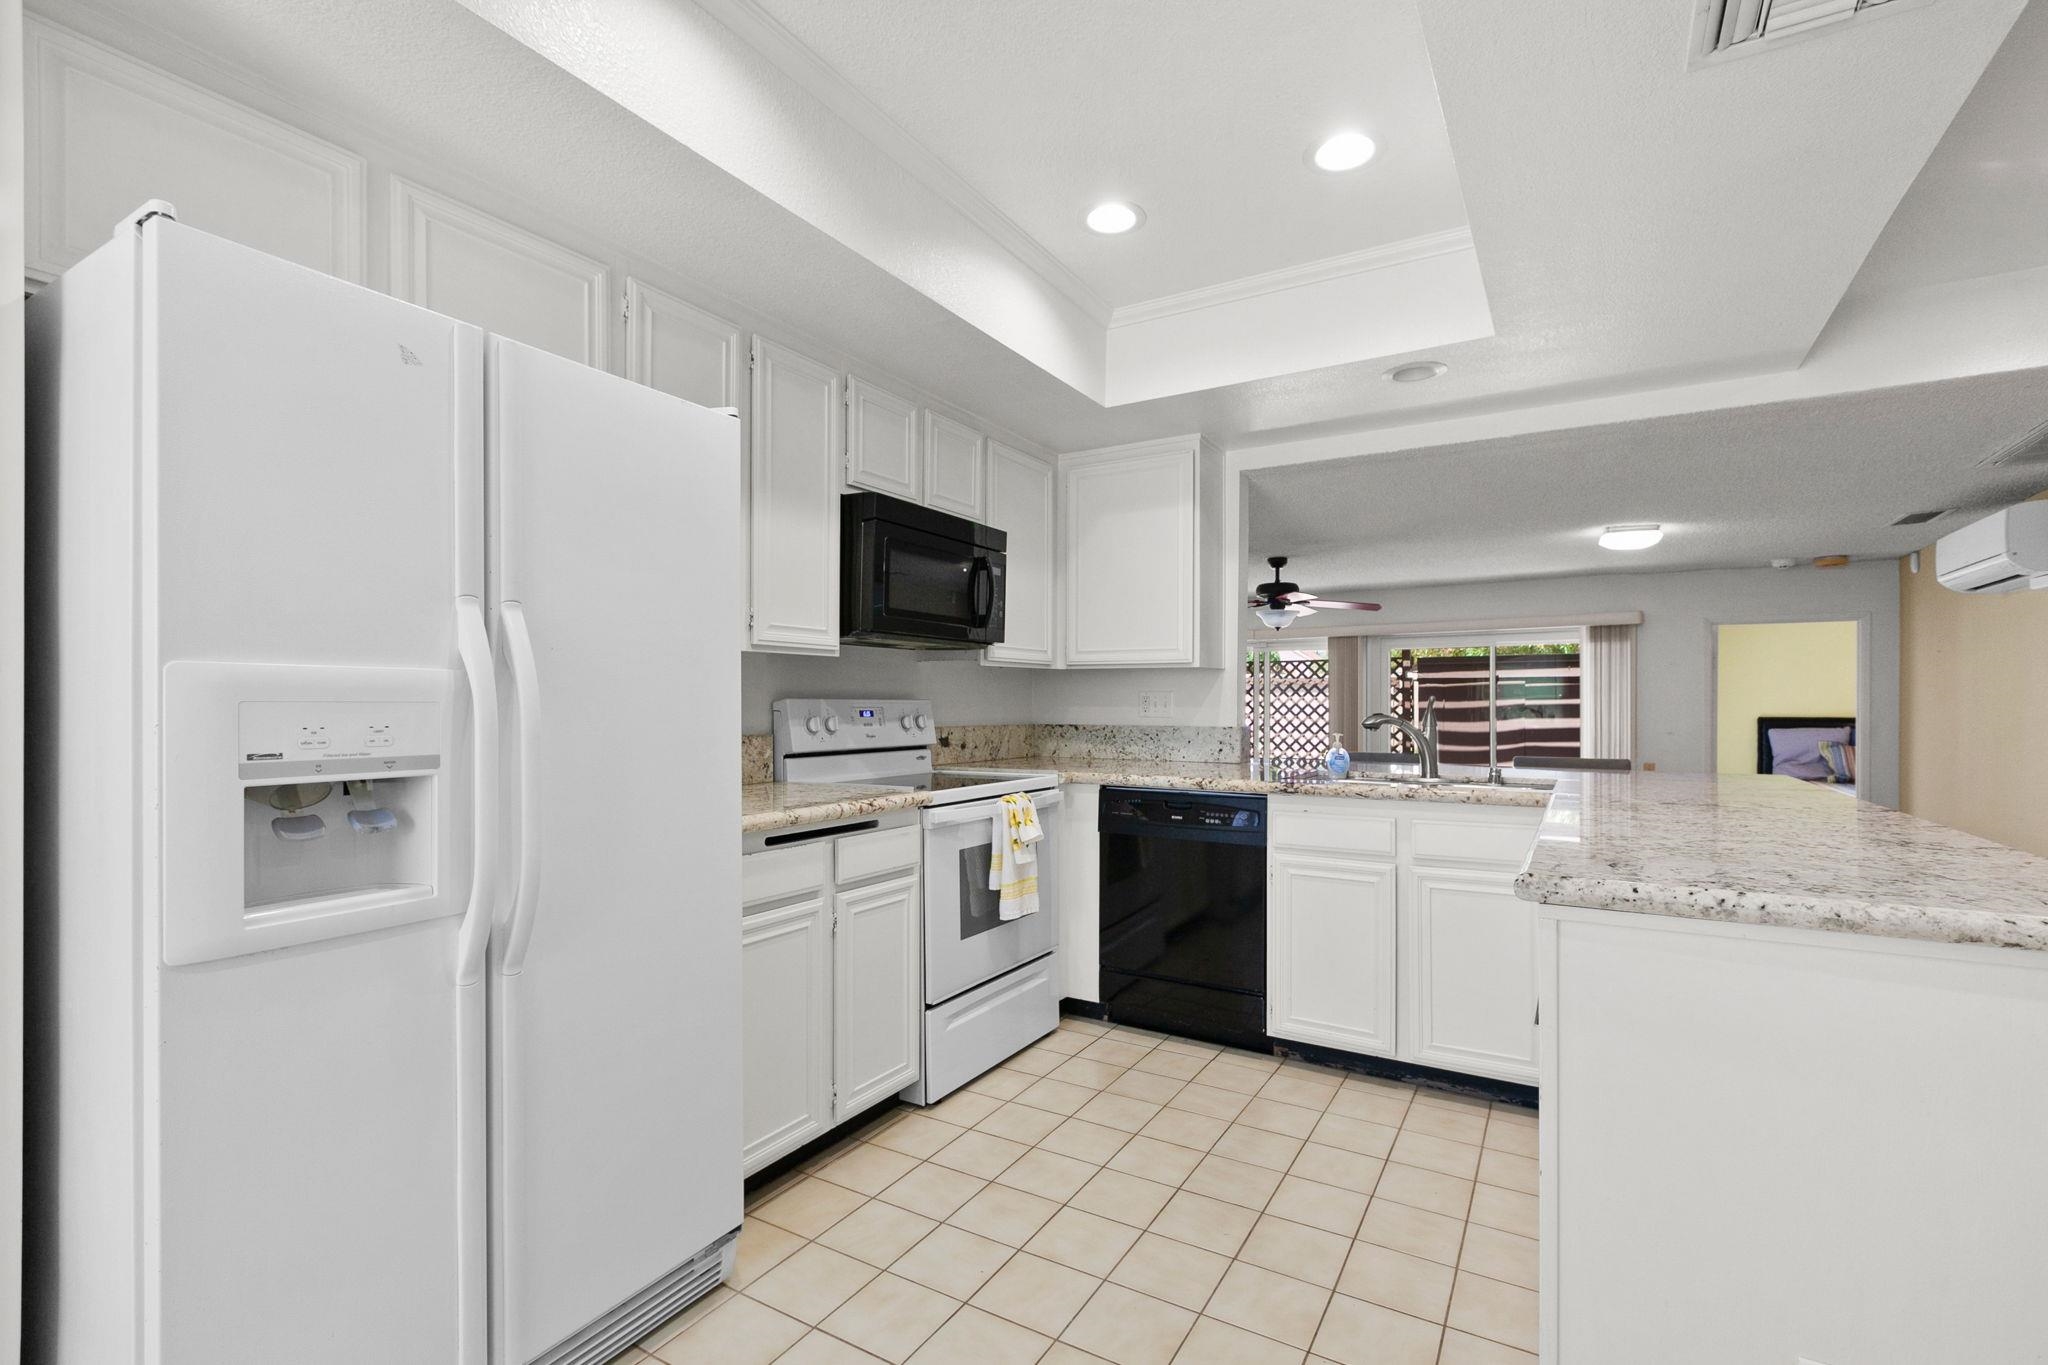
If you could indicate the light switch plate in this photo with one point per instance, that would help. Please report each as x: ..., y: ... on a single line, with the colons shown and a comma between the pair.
x: 1155, y: 705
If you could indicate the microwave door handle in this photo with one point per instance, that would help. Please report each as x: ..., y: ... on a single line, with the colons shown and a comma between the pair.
x: 984, y: 590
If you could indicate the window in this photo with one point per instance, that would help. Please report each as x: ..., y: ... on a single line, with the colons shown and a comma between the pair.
x: 1287, y: 701
x: 1536, y: 711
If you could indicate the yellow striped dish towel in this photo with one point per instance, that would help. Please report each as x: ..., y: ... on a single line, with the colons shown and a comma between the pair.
x: 1012, y: 861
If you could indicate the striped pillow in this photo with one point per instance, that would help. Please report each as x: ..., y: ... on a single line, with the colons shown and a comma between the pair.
x: 1840, y: 758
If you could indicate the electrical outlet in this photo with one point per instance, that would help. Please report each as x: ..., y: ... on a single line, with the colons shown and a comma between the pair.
x: 1155, y: 705
x: 1649, y: 767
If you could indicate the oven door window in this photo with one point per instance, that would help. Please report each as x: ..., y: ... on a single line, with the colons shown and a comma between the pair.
x: 929, y: 580
x: 978, y: 903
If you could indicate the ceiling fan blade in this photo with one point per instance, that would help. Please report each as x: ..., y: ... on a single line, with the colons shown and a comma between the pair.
x: 1297, y: 597
x: 1344, y: 606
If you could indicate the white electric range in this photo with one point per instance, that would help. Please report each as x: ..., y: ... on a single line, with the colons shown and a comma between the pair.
x: 989, y: 983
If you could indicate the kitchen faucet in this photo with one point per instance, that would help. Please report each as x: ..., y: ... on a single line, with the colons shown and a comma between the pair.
x: 1424, y: 735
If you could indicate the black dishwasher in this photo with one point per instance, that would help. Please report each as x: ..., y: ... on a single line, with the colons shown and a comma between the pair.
x: 1184, y: 913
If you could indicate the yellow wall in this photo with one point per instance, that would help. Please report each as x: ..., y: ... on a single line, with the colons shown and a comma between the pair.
x: 1973, y: 708
x: 1801, y: 668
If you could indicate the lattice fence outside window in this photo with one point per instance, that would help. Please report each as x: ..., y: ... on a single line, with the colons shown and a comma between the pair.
x: 1299, y: 724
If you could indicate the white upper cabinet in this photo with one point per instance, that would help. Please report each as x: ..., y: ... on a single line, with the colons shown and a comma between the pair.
x: 793, y: 513
x: 679, y: 348
x: 463, y: 262
x: 106, y: 133
x: 953, y: 471
x: 1022, y: 494
x: 883, y: 450
x: 1137, y: 585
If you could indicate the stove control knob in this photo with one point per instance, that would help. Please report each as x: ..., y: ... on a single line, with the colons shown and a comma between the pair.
x: 812, y: 725
x: 906, y: 722
x: 924, y: 722
x: 831, y: 725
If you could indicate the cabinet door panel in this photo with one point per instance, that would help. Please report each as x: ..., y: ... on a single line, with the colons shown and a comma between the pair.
x: 1131, y: 589
x: 679, y: 348
x: 793, y: 509
x: 1020, y: 503
x: 1468, y: 979
x: 883, y: 449
x: 1330, y: 952
x: 952, y: 467
x: 785, y: 1029
x: 876, y: 990
x: 463, y: 262
x: 106, y: 133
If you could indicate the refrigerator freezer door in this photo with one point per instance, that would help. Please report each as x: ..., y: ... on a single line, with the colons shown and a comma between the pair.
x: 310, y: 472
x: 615, y: 1072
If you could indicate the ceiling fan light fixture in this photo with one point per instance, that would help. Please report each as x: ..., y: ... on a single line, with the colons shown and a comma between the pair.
x: 1279, y: 618
x: 1639, y: 536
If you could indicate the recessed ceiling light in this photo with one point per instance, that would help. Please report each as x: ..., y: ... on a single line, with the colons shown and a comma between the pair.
x: 1417, y: 372
x: 1345, y: 151
x: 1638, y: 537
x: 1113, y: 217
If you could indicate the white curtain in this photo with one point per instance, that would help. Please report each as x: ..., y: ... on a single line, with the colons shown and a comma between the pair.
x: 1607, y: 692
x: 1347, y: 689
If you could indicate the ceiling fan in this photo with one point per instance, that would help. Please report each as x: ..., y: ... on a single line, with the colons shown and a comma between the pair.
x: 1278, y: 603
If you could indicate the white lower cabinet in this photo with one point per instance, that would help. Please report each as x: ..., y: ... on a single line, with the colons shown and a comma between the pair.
x: 877, y: 954
x: 831, y: 975
x: 785, y: 1027
x: 1468, y: 973
x: 1374, y: 949
x: 1330, y: 939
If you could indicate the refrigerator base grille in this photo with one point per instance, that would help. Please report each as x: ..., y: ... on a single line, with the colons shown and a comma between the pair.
x: 662, y: 1300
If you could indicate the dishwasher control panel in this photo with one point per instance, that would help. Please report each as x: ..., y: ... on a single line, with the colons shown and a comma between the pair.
x: 1184, y: 809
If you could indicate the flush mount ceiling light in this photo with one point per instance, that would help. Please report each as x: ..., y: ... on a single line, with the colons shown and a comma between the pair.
x: 1638, y: 537
x: 1417, y: 372
x: 1345, y: 151
x: 1113, y: 217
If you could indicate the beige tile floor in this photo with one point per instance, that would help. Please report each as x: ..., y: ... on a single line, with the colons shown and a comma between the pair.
x: 1109, y: 1194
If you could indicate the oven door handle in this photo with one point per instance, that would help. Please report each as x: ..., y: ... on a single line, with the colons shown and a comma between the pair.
x: 937, y: 817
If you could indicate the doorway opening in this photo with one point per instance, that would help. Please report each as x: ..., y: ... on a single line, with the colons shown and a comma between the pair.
x: 1786, y: 700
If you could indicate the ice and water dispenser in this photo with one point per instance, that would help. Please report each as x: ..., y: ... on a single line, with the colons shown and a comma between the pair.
x: 304, y: 803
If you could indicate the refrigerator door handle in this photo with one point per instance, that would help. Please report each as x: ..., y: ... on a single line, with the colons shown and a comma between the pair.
x: 526, y: 695
x: 473, y: 643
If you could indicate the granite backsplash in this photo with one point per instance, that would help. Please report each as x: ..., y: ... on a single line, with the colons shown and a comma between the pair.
x: 991, y: 743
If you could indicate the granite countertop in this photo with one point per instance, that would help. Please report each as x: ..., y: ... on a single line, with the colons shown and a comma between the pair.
x: 1774, y: 851
x: 779, y: 805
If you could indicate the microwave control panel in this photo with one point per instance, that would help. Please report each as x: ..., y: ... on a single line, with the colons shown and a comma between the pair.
x: 833, y: 726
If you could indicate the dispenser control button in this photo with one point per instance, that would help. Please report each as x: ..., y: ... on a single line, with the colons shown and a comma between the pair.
x: 312, y: 736
x: 377, y: 737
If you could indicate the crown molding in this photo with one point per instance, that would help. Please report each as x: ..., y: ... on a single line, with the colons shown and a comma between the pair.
x: 764, y: 33
x: 1296, y: 276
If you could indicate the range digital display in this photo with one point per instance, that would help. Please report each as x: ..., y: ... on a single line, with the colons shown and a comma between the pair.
x: 869, y: 713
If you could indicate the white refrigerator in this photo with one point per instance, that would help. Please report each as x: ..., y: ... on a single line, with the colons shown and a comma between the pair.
x: 384, y: 943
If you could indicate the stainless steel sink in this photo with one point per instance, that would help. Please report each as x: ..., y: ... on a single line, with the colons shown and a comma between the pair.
x: 1458, y: 783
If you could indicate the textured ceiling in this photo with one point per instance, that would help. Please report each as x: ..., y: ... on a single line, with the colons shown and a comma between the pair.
x: 1200, y: 111
x: 1980, y: 205
x: 1638, y: 224
x: 1737, y: 487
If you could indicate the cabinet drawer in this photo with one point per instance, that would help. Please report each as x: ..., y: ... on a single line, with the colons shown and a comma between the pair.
x: 1331, y: 824
x: 1471, y: 843
x: 781, y: 873
x: 861, y: 856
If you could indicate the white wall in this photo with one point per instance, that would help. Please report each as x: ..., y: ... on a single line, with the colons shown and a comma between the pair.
x: 962, y: 690
x: 1675, y: 656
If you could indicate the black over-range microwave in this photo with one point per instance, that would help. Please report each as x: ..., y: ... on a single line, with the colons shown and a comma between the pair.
x: 913, y: 578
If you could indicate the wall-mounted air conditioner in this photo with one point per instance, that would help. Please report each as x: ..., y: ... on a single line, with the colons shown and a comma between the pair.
x: 2002, y: 553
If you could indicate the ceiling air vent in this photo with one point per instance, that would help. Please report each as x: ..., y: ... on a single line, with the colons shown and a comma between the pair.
x: 1919, y: 518
x: 1748, y: 25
